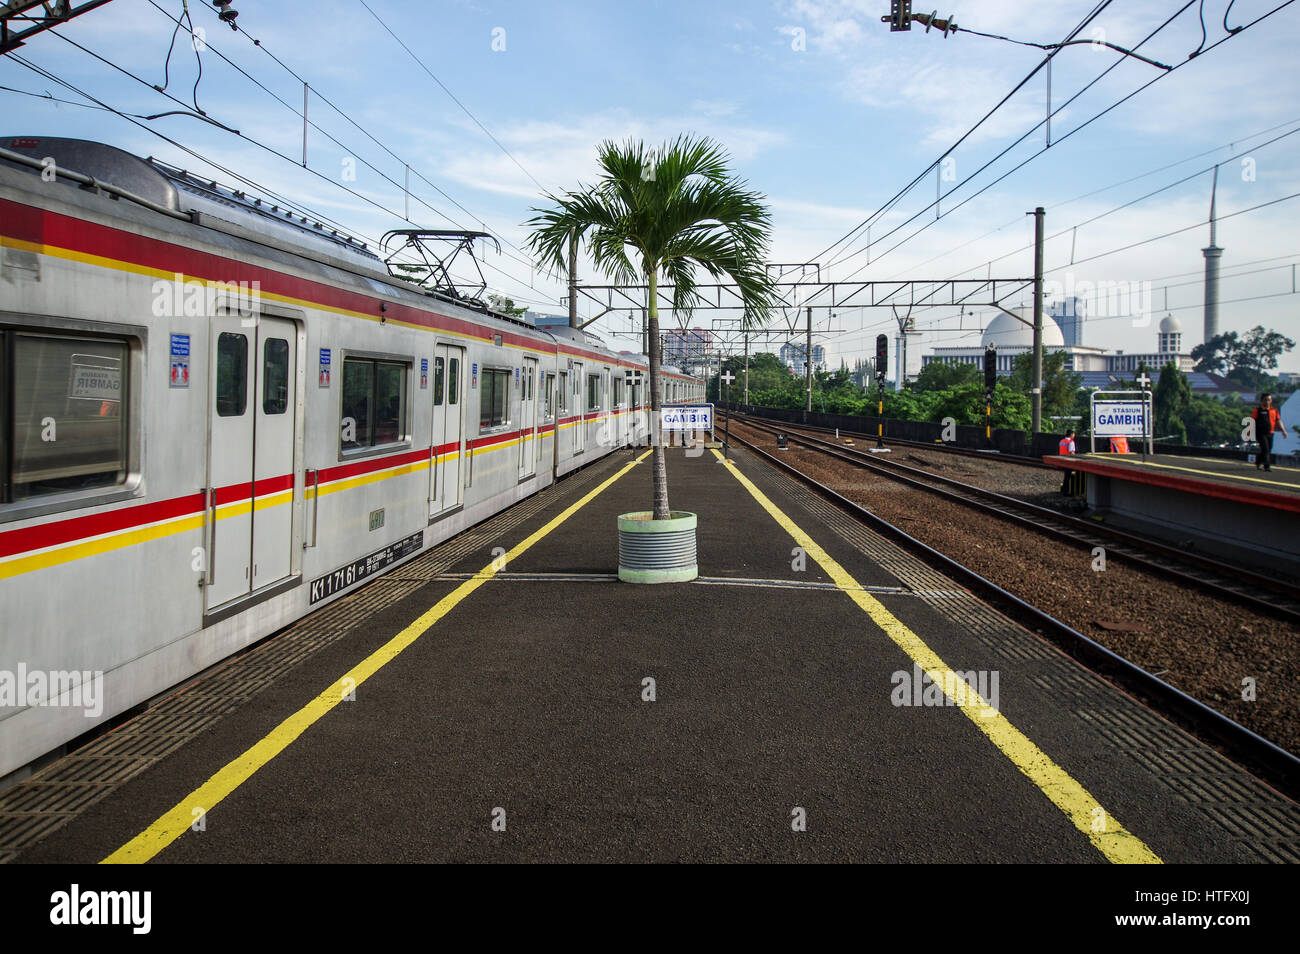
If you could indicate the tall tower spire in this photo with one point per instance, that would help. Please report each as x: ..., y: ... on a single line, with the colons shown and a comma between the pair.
x: 1212, y: 256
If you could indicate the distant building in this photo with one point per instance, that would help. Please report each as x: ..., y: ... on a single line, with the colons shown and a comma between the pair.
x: 1290, y: 411
x: 1012, y: 337
x: 546, y: 321
x: 685, y: 346
x: 1068, y: 315
x: 792, y: 353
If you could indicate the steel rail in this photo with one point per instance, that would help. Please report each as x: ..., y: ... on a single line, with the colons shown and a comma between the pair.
x: 1273, y: 763
x: 1152, y: 555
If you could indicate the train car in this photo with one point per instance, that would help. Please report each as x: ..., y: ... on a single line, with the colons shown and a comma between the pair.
x: 217, y: 416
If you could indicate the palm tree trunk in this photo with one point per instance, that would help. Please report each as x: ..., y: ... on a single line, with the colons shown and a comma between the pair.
x: 658, y: 463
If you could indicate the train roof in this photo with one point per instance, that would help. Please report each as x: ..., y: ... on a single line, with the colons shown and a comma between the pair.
x: 182, y: 191
x: 167, y: 189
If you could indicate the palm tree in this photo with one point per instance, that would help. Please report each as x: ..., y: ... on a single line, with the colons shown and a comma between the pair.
x: 658, y: 215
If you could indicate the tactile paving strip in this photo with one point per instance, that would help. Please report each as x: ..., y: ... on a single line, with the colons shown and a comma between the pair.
x: 57, y: 793
x: 1262, y: 821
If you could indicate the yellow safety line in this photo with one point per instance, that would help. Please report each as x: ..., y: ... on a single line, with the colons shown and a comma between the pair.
x: 1112, y: 840
x: 177, y: 821
x: 1209, y: 473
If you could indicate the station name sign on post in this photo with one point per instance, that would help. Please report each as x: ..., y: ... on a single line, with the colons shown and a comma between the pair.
x: 687, y: 417
x: 1122, y: 414
x: 1119, y: 419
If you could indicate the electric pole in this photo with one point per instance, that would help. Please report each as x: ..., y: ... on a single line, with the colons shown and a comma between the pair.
x: 807, y: 363
x: 1036, y: 391
x: 746, y: 368
x: 573, y: 280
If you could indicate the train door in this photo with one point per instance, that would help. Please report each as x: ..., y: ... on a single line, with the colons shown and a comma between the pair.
x: 620, y: 408
x: 528, y: 420
x: 579, y: 407
x: 608, y: 421
x: 274, y: 415
x: 447, y: 440
x: 549, y: 417
x: 563, y: 398
x: 252, y: 415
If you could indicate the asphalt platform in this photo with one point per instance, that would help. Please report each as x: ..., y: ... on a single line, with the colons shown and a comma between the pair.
x: 519, y: 725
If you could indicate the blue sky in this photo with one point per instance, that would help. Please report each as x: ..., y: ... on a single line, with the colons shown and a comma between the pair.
x: 820, y: 106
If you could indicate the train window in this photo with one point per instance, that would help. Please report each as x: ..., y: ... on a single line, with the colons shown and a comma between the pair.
x: 563, y: 393
x: 453, y: 380
x: 437, y: 380
x: 66, y: 414
x: 374, y: 402
x: 593, y: 392
x: 275, y: 376
x: 618, y: 392
x: 232, y: 374
x: 494, y: 398
x: 389, y: 381
x: 548, y: 396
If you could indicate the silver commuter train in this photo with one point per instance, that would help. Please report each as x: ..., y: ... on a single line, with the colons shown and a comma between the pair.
x: 217, y: 416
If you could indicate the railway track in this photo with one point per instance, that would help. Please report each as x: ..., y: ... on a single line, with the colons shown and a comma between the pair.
x: 1272, y: 762
x: 1238, y: 584
x: 1030, y: 462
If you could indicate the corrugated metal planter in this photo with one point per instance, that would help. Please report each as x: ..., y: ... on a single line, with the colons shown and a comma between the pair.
x: 657, y: 551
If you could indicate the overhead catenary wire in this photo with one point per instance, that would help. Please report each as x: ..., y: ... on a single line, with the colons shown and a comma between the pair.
x: 241, y: 135
x: 845, y: 257
x: 1106, y: 188
x: 342, y: 113
x: 924, y: 173
x: 1060, y: 139
x: 453, y: 96
x: 302, y: 211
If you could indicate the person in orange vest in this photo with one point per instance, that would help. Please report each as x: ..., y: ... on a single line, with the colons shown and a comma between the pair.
x: 1267, y: 420
x: 1119, y: 445
x: 1065, y: 448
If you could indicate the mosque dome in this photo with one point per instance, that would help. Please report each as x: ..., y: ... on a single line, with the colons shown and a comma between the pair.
x: 1169, y: 325
x: 1005, y: 332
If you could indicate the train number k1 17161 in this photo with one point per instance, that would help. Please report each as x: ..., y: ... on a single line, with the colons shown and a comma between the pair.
x: 345, y: 576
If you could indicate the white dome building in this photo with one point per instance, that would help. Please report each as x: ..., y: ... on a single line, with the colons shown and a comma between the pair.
x: 1005, y: 332
x: 1170, y: 341
x: 1012, y: 338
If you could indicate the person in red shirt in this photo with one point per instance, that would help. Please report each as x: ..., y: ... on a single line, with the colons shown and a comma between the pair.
x: 1267, y: 420
x: 1064, y: 448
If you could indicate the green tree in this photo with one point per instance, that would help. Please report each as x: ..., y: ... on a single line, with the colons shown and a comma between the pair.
x: 937, y: 376
x: 1216, y: 356
x: 1172, y: 397
x: 1211, y: 421
x: 1060, y: 387
x: 1245, y: 360
x: 505, y: 306
x: 1256, y: 355
x: 662, y: 214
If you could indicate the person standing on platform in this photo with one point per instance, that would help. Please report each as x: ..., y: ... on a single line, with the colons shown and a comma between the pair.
x: 1267, y: 420
x: 1065, y: 448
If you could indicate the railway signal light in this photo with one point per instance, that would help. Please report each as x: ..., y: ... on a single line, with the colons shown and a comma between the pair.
x: 882, y: 356
x: 990, y: 369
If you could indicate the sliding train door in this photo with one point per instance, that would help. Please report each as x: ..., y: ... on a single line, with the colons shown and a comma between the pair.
x: 528, y: 441
x: 252, y: 418
x: 447, y: 444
